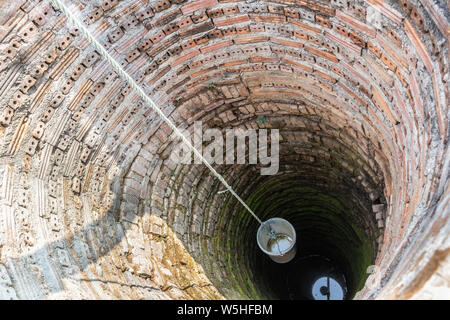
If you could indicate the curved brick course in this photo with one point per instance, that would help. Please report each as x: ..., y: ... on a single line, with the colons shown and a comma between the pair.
x: 92, y: 207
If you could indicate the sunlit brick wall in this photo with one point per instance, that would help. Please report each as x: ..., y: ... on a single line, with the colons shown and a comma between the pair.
x: 91, y: 205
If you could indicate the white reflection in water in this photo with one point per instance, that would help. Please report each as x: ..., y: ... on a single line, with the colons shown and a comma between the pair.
x: 336, y: 292
x: 280, y: 244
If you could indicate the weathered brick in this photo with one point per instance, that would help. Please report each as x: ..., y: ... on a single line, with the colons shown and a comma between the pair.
x: 381, y: 103
x: 216, y: 46
x: 304, y: 25
x: 356, y: 24
x: 285, y: 42
x: 356, y: 49
x: 418, y: 45
x: 268, y: 18
x: 321, y: 53
x: 197, y: 5
x: 226, y: 21
x: 297, y: 64
x: 185, y: 57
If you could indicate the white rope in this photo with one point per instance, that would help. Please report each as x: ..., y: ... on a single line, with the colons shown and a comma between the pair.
x: 101, y: 49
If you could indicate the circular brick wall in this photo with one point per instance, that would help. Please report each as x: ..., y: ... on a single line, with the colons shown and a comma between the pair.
x: 93, y: 207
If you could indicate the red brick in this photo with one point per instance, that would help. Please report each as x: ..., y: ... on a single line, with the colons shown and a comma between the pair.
x: 365, y: 91
x: 321, y: 53
x: 354, y: 95
x: 215, y: 34
x: 297, y: 64
x: 234, y: 63
x: 394, y: 38
x: 344, y: 43
x: 356, y: 10
x: 292, y: 13
x: 325, y: 86
x: 229, y: 31
x: 199, y: 73
x: 322, y: 8
x: 159, y: 75
x: 215, y: 13
x: 155, y: 50
x: 388, y: 63
x: 258, y: 59
x: 374, y: 49
x: 417, y: 16
x: 420, y: 47
x: 285, y: 42
x: 380, y: 102
x: 133, y: 55
x: 325, y: 76
x: 323, y: 21
x: 200, y: 17
x: 196, y: 29
x: 343, y: 31
x: 357, y: 39
x: 108, y: 5
x: 188, y: 44
x: 350, y: 70
x: 201, y: 40
x: 183, y: 23
x: 440, y: 106
x: 393, y: 52
x: 356, y: 24
x: 380, y: 71
x: 300, y: 35
x: 275, y: 9
x: 285, y: 68
x: 401, y: 77
x: 268, y: 18
x: 250, y: 39
x: 416, y: 94
x: 145, y: 44
x: 158, y: 37
x: 243, y: 30
x: 144, y: 14
x: 170, y: 28
x: 304, y: 25
x: 185, y: 57
x: 338, y: 71
x: 230, y: 10
x: 161, y: 5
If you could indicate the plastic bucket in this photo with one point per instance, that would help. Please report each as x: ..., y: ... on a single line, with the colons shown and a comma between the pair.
x: 282, y: 249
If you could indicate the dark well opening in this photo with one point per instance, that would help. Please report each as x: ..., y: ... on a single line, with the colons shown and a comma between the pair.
x: 331, y: 241
x: 336, y: 238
